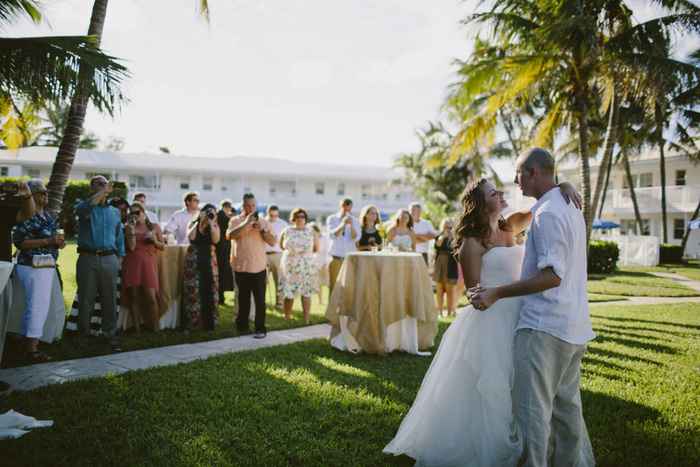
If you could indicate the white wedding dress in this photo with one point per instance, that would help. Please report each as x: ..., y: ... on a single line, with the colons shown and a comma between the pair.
x: 463, y: 413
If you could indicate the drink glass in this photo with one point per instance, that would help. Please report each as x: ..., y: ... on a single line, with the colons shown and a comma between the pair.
x: 375, y: 249
x: 60, y: 233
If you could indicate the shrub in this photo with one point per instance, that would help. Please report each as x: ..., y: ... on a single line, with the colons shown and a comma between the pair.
x: 670, y: 254
x: 76, y: 192
x: 602, y: 256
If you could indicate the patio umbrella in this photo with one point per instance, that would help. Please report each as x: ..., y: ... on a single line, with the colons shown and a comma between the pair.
x: 694, y: 224
x: 603, y: 224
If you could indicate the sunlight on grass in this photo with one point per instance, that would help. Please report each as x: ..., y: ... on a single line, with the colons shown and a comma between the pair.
x: 343, y: 368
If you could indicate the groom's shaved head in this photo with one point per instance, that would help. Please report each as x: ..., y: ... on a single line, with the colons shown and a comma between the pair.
x: 538, y: 158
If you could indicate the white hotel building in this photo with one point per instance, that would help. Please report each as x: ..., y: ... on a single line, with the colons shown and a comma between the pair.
x: 165, y: 177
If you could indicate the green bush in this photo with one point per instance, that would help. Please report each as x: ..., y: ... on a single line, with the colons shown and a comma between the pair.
x: 670, y: 254
x: 602, y: 257
x: 76, y: 192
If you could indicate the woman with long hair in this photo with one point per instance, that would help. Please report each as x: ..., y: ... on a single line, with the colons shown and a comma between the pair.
x: 200, y: 284
x: 445, y: 269
x: 463, y: 412
x: 400, y: 231
x: 140, y: 267
x: 369, y: 220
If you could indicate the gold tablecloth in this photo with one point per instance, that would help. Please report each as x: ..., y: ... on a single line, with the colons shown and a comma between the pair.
x: 374, y: 292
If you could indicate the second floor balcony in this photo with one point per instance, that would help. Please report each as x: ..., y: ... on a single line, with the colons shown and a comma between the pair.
x: 678, y: 199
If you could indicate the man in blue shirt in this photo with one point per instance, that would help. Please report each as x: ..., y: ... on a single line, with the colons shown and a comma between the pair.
x: 101, y: 248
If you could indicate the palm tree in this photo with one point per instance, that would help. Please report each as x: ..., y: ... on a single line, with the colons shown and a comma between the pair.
x: 76, y: 117
x: 37, y: 70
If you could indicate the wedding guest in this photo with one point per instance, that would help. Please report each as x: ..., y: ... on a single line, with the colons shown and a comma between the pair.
x: 369, y: 220
x: 322, y: 259
x: 298, y: 266
x: 122, y: 206
x: 140, y: 268
x: 424, y: 231
x: 37, y: 237
x: 249, y: 234
x: 344, y: 231
x: 141, y: 198
x: 14, y: 209
x: 223, y: 250
x: 400, y: 231
x: 180, y: 221
x: 101, y: 248
x: 274, y: 253
x: 445, y: 272
x: 200, y: 283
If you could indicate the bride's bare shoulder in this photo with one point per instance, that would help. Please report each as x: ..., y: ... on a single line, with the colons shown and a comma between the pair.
x: 471, y: 247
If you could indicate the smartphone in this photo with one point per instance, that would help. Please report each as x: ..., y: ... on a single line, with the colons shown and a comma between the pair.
x: 256, y: 215
x: 118, y: 184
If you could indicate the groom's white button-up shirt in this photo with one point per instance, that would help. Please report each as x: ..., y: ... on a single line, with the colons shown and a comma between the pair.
x: 557, y: 239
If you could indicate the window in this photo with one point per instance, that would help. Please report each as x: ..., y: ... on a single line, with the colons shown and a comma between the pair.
x: 144, y: 183
x: 639, y: 180
x: 90, y: 175
x: 366, y: 191
x: 3, y: 171
x: 320, y: 188
x: 680, y: 177
x: 207, y: 183
x: 184, y: 182
x: 34, y: 173
x: 283, y: 188
x: 678, y: 229
x: 629, y: 227
x: 341, y: 189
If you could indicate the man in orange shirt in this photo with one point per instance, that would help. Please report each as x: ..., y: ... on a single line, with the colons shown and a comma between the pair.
x: 249, y: 233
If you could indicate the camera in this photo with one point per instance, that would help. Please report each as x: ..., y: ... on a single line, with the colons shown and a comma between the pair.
x: 131, y: 218
x: 118, y: 184
x: 8, y: 189
x: 256, y: 215
x: 211, y: 215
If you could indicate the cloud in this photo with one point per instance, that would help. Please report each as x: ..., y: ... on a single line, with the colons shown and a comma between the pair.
x: 408, y: 66
x: 310, y: 73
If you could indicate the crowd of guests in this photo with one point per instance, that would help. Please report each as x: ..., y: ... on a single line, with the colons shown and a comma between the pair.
x: 118, y: 242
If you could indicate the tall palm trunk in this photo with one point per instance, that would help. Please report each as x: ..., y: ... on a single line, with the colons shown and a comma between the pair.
x: 633, y: 197
x: 584, y: 169
x: 687, y: 230
x: 605, y: 188
x: 662, y: 171
x: 76, y: 118
x: 608, y: 146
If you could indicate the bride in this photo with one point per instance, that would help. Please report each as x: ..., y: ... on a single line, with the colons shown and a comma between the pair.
x: 463, y: 412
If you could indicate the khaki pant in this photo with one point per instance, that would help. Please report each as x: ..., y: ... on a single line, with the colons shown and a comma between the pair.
x: 273, y: 264
x: 333, y: 270
x: 547, y: 399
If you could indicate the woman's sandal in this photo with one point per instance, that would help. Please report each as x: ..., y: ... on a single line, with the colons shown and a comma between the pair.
x: 38, y: 356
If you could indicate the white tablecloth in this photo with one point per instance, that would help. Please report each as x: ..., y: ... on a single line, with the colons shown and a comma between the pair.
x: 53, y: 326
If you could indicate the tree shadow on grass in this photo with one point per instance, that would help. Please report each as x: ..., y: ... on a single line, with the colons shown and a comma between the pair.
x: 593, y: 350
x: 636, y: 320
x: 601, y: 338
x: 627, y: 433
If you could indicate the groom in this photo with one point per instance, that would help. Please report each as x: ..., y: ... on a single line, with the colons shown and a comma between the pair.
x: 554, y: 326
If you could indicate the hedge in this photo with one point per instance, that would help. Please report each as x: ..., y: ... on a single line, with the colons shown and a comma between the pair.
x: 602, y: 257
x: 76, y: 192
x: 670, y: 254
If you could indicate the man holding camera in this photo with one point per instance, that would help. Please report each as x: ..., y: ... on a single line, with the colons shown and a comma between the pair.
x: 101, y: 248
x: 343, y: 230
x: 249, y: 233
x: 177, y: 225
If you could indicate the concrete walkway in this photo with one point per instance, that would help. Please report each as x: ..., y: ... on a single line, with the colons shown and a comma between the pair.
x: 34, y: 376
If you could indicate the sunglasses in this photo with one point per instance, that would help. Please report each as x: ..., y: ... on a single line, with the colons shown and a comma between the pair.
x: 41, y: 192
x: 135, y: 213
x: 300, y: 216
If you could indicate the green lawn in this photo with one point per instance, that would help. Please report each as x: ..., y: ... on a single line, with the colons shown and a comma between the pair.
x: 633, y: 283
x: 308, y: 404
x: 690, y: 270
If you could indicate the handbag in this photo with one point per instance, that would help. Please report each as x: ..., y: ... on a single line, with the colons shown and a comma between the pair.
x: 43, y: 261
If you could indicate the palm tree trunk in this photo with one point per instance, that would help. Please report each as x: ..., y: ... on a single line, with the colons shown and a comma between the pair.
x: 687, y: 230
x: 76, y: 118
x: 608, y: 147
x: 662, y: 171
x: 633, y: 197
x: 605, y: 188
x: 585, y: 170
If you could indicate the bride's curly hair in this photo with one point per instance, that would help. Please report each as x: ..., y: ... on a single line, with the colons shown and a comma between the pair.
x: 473, y: 221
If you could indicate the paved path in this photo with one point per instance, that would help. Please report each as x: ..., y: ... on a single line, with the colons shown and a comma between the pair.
x: 34, y: 376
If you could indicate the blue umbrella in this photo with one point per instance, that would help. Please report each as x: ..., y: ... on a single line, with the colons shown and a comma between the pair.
x: 603, y: 224
x: 694, y: 224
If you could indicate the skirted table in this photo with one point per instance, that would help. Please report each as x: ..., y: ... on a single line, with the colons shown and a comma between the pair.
x: 383, y: 302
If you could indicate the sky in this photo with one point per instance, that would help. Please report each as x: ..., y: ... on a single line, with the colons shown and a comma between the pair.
x: 321, y: 81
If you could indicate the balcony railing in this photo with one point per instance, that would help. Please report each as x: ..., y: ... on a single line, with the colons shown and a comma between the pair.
x: 680, y: 198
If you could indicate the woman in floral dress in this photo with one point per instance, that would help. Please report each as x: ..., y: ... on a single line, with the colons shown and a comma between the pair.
x: 200, y: 284
x: 298, y: 266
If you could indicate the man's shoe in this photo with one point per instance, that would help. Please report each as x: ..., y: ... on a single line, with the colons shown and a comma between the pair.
x: 260, y: 335
x: 114, y: 346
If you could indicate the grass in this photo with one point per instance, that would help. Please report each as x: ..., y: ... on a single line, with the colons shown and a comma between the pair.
x: 690, y: 270
x: 308, y: 404
x: 633, y: 283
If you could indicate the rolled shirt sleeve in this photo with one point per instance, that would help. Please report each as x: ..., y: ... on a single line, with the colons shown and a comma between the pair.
x: 550, y: 241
